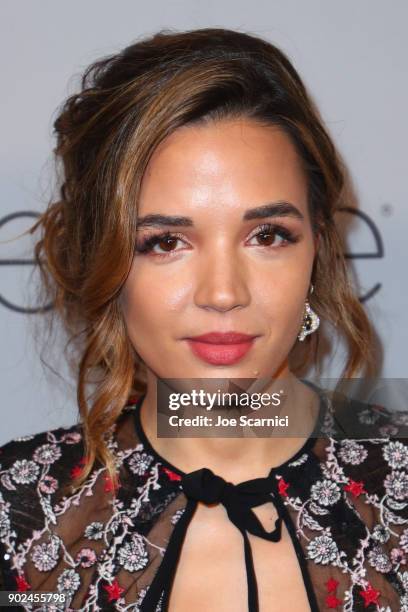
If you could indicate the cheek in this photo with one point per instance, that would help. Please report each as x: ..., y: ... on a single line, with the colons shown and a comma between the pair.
x: 282, y: 290
x: 148, y: 298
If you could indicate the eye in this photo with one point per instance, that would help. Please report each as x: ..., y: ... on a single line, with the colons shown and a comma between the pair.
x: 166, y: 241
x: 268, y: 232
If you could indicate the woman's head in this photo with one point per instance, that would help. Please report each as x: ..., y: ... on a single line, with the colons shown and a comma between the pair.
x: 203, y: 124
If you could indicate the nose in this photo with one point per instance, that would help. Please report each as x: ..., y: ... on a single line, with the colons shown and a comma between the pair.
x: 222, y: 282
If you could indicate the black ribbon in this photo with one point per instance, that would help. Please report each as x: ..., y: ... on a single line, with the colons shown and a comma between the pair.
x: 205, y: 486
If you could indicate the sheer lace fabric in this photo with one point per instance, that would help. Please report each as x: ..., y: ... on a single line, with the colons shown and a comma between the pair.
x: 344, y: 502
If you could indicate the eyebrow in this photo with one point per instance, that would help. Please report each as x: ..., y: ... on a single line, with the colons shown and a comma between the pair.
x: 272, y: 209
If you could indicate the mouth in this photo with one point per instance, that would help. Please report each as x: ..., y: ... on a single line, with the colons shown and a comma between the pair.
x: 219, y: 348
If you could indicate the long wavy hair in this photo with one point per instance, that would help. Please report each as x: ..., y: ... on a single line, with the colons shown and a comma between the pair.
x: 105, y: 135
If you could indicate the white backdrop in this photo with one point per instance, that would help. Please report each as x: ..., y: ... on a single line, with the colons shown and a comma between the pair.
x: 352, y: 56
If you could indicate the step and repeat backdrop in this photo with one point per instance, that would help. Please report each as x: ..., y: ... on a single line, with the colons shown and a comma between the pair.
x: 351, y: 55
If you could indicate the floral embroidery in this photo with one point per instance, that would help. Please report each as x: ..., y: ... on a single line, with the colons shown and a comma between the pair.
x: 133, y: 555
x: 302, y: 459
x: 355, y: 488
x: 48, y: 485
x: 370, y: 595
x: 110, y: 485
x: 282, y: 487
x: 45, y: 556
x: 331, y: 585
x: 332, y: 601
x: 380, y: 533
x: 114, y: 590
x: 176, y: 516
x: 117, y: 541
x: 72, y: 437
x: 325, y: 492
x: 86, y: 557
x: 368, y: 417
x: 139, y: 463
x: 396, y: 454
x: 94, y: 531
x: 378, y: 559
x: 396, y: 484
x: 322, y: 549
x: 68, y: 582
x: 352, y: 452
x: 171, y: 475
x: 4, y: 519
x: 47, y: 453
x: 398, y: 556
x: 22, y: 584
x: 24, y: 471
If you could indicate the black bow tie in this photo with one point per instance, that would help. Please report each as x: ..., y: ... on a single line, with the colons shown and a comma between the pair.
x: 205, y: 486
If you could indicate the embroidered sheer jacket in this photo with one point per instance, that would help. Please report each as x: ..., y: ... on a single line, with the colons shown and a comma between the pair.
x: 343, y: 500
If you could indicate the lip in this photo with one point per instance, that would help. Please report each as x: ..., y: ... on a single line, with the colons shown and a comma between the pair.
x: 219, y: 348
x: 223, y: 338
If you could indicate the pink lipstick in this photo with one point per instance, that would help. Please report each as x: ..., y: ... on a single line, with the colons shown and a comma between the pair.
x: 221, y: 348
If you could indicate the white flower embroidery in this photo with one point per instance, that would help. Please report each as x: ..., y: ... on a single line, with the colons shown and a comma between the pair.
x: 368, y: 417
x: 47, y: 454
x: 24, y: 438
x: 68, y: 582
x: 45, y: 556
x: 380, y: 533
x: 322, y: 549
x: 352, y: 452
x: 299, y: 461
x: 403, y: 542
x: 176, y: 516
x: 139, y: 463
x: 4, y: 520
x: 326, y: 492
x: 24, y: 472
x: 133, y: 555
x: 396, y: 454
x: 94, y: 531
x: 378, y: 559
x: 400, y: 417
x: 396, y: 484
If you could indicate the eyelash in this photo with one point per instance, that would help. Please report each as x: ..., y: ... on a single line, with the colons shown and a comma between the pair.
x: 147, y: 244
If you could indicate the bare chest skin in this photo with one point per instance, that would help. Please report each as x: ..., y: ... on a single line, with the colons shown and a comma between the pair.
x: 211, y: 575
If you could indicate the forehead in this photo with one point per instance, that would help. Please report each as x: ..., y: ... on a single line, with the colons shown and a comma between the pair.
x: 222, y: 167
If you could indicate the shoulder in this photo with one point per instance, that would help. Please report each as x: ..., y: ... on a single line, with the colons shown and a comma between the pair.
x: 33, y: 465
x: 33, y: 471
x: 23, y: 460
x: 368, y: 457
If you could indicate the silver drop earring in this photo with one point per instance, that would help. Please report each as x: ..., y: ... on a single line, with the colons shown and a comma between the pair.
x: 310, y: 320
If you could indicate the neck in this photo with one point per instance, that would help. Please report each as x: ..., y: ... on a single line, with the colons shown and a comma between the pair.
x: 244, y: 458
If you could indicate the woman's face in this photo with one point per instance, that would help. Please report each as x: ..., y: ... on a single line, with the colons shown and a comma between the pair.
x: 229, y: 263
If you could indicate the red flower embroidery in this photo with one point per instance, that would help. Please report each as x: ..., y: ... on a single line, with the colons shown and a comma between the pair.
x: 331, y: 585
x: 370, y: 595
x: 355, y: 488
x: 114, y: 590
x: 132, y: 399
x: 22, y: 584
x: 282, y: 486
x: 110, y: 485
x: 332, y: 601
x: 171, y: 475
x: 77, y: 469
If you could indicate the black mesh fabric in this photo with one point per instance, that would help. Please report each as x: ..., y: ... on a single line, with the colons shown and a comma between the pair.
x: 342, y: 501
